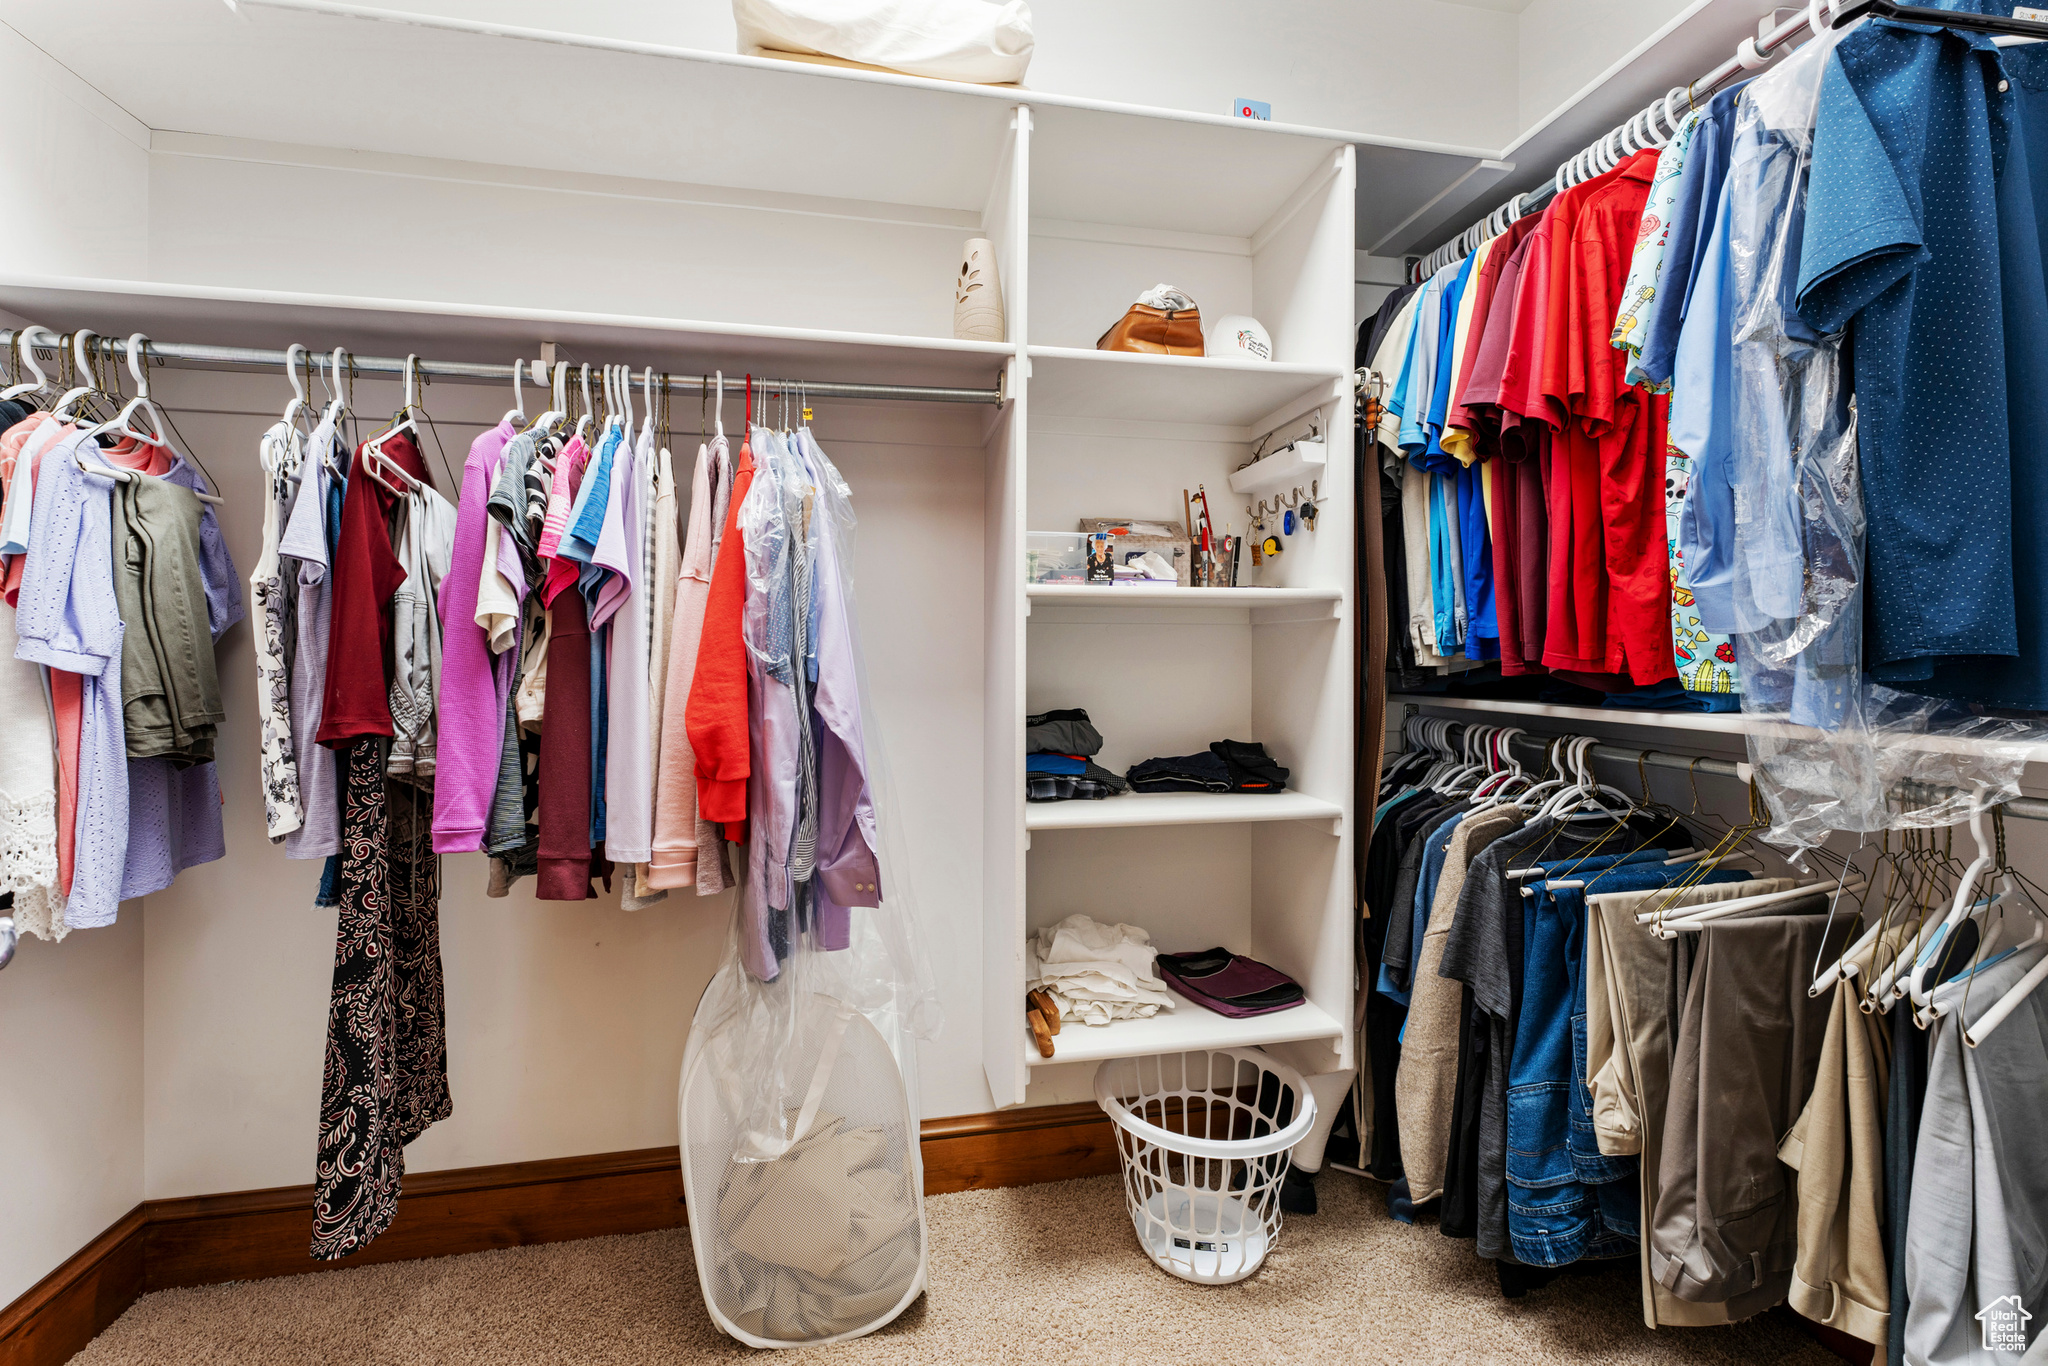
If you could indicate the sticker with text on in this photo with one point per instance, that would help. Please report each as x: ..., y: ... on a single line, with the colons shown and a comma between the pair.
x: 1252, y: 109
x: 2038, y: 16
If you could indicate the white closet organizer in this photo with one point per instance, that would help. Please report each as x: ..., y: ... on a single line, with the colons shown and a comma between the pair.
x: 301, y: 174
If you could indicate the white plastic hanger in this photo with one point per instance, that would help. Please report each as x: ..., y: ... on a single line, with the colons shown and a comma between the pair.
x: 336, y: 409
x: 382, y: 467
x: 123, y: 424
x: 517, y: 414
x: 589, y: 415
x: 25, y: 351
x: 1699, y: 917
x: 2006, y: 1004
x: 81, y: 369
x: 1918, y: 982
x: 718, y: 406
x: 1993, y: 916
x: 293, y: 355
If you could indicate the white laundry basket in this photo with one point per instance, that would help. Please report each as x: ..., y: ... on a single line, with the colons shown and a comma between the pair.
x: 1205, y: 1139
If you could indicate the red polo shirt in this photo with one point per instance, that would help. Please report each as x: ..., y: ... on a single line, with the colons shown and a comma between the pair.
x: 1622, y: 429
x: 357, y: 690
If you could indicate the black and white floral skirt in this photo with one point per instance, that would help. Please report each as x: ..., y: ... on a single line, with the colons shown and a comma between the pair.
x: 386, y: 1075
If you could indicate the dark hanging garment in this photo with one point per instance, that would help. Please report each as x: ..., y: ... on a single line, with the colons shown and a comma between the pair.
x: 386, y: 1077
x: 565, y: 768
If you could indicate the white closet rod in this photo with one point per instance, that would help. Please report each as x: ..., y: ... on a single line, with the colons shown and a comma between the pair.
x: 470, y: 373
x: 2025, y: 808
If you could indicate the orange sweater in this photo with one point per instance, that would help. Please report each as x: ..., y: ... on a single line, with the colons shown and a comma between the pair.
x: 716, y: 716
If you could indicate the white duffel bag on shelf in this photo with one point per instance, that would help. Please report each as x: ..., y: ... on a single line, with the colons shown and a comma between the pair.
x: 949, y: 40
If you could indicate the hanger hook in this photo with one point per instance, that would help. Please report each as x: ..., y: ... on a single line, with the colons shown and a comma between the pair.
x: 293, y: 354
x: 81, y: 351
x: 136, y: 341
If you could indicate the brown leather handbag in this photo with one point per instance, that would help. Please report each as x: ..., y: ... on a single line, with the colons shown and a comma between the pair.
x: 1156, y: 331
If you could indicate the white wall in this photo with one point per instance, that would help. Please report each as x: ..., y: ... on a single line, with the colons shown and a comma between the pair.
x: 95, y: 223
x: 1563, y: 44
x: 70, y: 1096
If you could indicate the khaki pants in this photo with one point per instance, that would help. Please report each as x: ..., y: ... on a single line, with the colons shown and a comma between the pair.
x: 1629, y: 1036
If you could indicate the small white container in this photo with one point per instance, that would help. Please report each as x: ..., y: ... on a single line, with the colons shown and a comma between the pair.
x: 1292, y: 466
x: 1204, y: 1139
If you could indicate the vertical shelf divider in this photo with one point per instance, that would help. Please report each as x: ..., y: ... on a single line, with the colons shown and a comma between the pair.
x: 1006, y: 222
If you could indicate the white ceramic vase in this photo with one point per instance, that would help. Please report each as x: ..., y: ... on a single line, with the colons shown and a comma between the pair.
x: 978, y: 293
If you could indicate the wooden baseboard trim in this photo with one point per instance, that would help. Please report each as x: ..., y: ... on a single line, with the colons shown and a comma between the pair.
x: 249, y: 1235
x: 67, y: 1308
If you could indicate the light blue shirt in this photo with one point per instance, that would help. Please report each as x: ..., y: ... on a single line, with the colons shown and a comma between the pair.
x: 1416, y: 387
x: 1702, y: 419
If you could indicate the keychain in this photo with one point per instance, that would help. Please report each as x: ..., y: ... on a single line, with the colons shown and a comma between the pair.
x: 1272, y: 546
x: 1308, y: 516
x: 1287, y: 524
x: 1258, y: 535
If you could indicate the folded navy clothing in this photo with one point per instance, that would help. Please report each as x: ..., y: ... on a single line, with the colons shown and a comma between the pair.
x: 1251, y: 768
x: 1181, y: 773
x: 1229, y: 766
x: 1067, y: 731
x: 1055, y: 763
x: 1094, y: 784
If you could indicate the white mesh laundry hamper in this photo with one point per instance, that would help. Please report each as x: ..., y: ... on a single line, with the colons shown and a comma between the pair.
x: 1204, y: 1139
x: 827, y: 1241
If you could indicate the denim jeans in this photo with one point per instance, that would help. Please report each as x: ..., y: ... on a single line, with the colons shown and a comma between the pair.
x: 1566, y: 1199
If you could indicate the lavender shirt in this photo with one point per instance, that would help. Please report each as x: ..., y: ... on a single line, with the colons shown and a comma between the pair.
x: 174, y: 814
x: 849, y: 873
x: 69, y: 619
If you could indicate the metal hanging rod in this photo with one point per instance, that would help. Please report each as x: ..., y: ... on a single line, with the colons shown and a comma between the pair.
x: 466, y: 372
x: 2025, y: 808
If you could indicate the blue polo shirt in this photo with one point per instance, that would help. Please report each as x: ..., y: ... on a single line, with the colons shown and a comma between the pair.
x: 1923, y: 232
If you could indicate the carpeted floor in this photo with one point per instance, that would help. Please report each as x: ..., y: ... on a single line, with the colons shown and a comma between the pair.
x: 1038, y: 1275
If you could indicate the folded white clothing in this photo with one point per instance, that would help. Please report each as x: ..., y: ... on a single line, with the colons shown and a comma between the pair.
x: 1098, y: 973
x: 1088, y: 1011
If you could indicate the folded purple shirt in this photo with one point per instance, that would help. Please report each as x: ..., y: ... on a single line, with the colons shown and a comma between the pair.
x: 1228, y: 984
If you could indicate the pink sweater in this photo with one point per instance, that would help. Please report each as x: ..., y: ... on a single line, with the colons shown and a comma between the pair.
x: 674, y: 860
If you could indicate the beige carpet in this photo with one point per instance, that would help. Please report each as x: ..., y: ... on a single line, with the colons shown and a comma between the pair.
x: 1038, y: 1275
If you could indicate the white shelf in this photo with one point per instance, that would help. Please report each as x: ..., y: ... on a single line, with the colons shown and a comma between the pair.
x: 1134, y: 809
x: 1070, y: 381
x: 446, y: 330
x: 1151, y: 597
x: 383, y: 86
x: 1187, y: 1026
